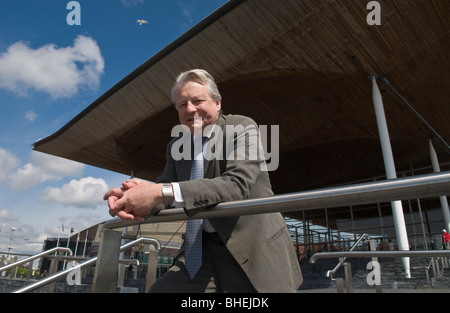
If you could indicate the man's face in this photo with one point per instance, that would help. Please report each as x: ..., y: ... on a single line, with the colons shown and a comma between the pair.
x: 193, y: 102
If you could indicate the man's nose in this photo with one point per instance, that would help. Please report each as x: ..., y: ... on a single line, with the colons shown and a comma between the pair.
x: 190, y: 107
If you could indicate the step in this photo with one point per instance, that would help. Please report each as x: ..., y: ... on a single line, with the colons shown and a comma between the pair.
x: 392, y: 274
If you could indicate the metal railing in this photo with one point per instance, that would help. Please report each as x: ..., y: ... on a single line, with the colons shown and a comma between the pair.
x: 379, y: 254
x: 34, y: 257
x: 330, y: 273
x: 62, y: 274
x: 434, y: 264
x: 431, y: 185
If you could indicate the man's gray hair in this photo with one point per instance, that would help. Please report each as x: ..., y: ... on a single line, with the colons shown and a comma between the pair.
x: 199, y: 76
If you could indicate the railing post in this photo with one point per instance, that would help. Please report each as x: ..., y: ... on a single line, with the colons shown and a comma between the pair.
x: 438, y: 270
x: 30, y: 270
x: 444, y: 262
x: 340, y: 285
x: 427, y: 275
x: 121, y: 275
x: 106, y: 271
x: 150, y: 277
x: 433, y: 265
x: 52, y: 270
x: 348, y: 277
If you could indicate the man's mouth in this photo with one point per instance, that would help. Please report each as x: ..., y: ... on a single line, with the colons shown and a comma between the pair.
x: 195, y: 119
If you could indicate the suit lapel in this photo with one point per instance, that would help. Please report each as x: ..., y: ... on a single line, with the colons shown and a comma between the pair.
x: 213, y: 144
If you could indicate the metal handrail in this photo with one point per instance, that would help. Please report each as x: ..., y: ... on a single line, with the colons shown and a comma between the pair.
x: 60, y: 275
x: 429, y: 185
x: 379, y: 254
x: 34, y: 257
x: 330, y: 273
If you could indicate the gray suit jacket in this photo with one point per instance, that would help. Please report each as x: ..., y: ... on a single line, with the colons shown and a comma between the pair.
x: 260, y: 243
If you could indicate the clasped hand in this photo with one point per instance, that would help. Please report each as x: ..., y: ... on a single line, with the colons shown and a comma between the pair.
x: 134, y: 200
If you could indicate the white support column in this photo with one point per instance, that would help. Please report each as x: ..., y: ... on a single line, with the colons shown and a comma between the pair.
x: 397, y: 208
x: 444, y: 202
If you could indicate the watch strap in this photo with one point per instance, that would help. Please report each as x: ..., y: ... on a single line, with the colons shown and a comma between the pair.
x: 167, y: 193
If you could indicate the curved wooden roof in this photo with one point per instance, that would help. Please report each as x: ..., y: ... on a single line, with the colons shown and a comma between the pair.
x: 302, y: 65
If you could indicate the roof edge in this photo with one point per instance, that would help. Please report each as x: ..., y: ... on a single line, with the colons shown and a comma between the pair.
x: 215, y: 15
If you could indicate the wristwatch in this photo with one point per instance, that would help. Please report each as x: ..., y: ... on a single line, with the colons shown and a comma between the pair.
x: 167, y: 192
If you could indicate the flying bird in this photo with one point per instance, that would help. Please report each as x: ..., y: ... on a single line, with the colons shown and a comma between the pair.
x: 141, y: 21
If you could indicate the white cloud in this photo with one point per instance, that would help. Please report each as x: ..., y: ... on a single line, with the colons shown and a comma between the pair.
x: 187, y: 10
x: 60, y: 72
x: 6, y: 218
x: 30, y: 115
x: 7, y: 163
x: 42, y: 167
x: 84, y: 193
x: 76, y: 220
x: 56, y: 166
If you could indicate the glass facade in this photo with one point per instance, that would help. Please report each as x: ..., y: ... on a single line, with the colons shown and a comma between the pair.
x: 332, y: 229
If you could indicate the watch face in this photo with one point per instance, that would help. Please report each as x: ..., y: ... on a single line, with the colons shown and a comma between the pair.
x: 167, y: 190
x: 167, y: 193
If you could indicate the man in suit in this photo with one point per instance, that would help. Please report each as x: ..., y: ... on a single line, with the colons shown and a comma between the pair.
x: 249, y: 253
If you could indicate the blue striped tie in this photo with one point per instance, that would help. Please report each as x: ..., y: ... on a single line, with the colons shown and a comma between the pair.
x: 193, y: 240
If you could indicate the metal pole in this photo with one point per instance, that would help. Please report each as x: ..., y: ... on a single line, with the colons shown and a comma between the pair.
x: 428, y: 185
x: 397, y: 208
x: 85, y: 242
x: 152, y: 266
x: 348, y: 277
x: 379, y: 254
x: 444, y: 202
x: 106, y: 270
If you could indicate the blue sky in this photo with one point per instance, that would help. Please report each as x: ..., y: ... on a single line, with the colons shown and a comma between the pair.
x: 49, y: 72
